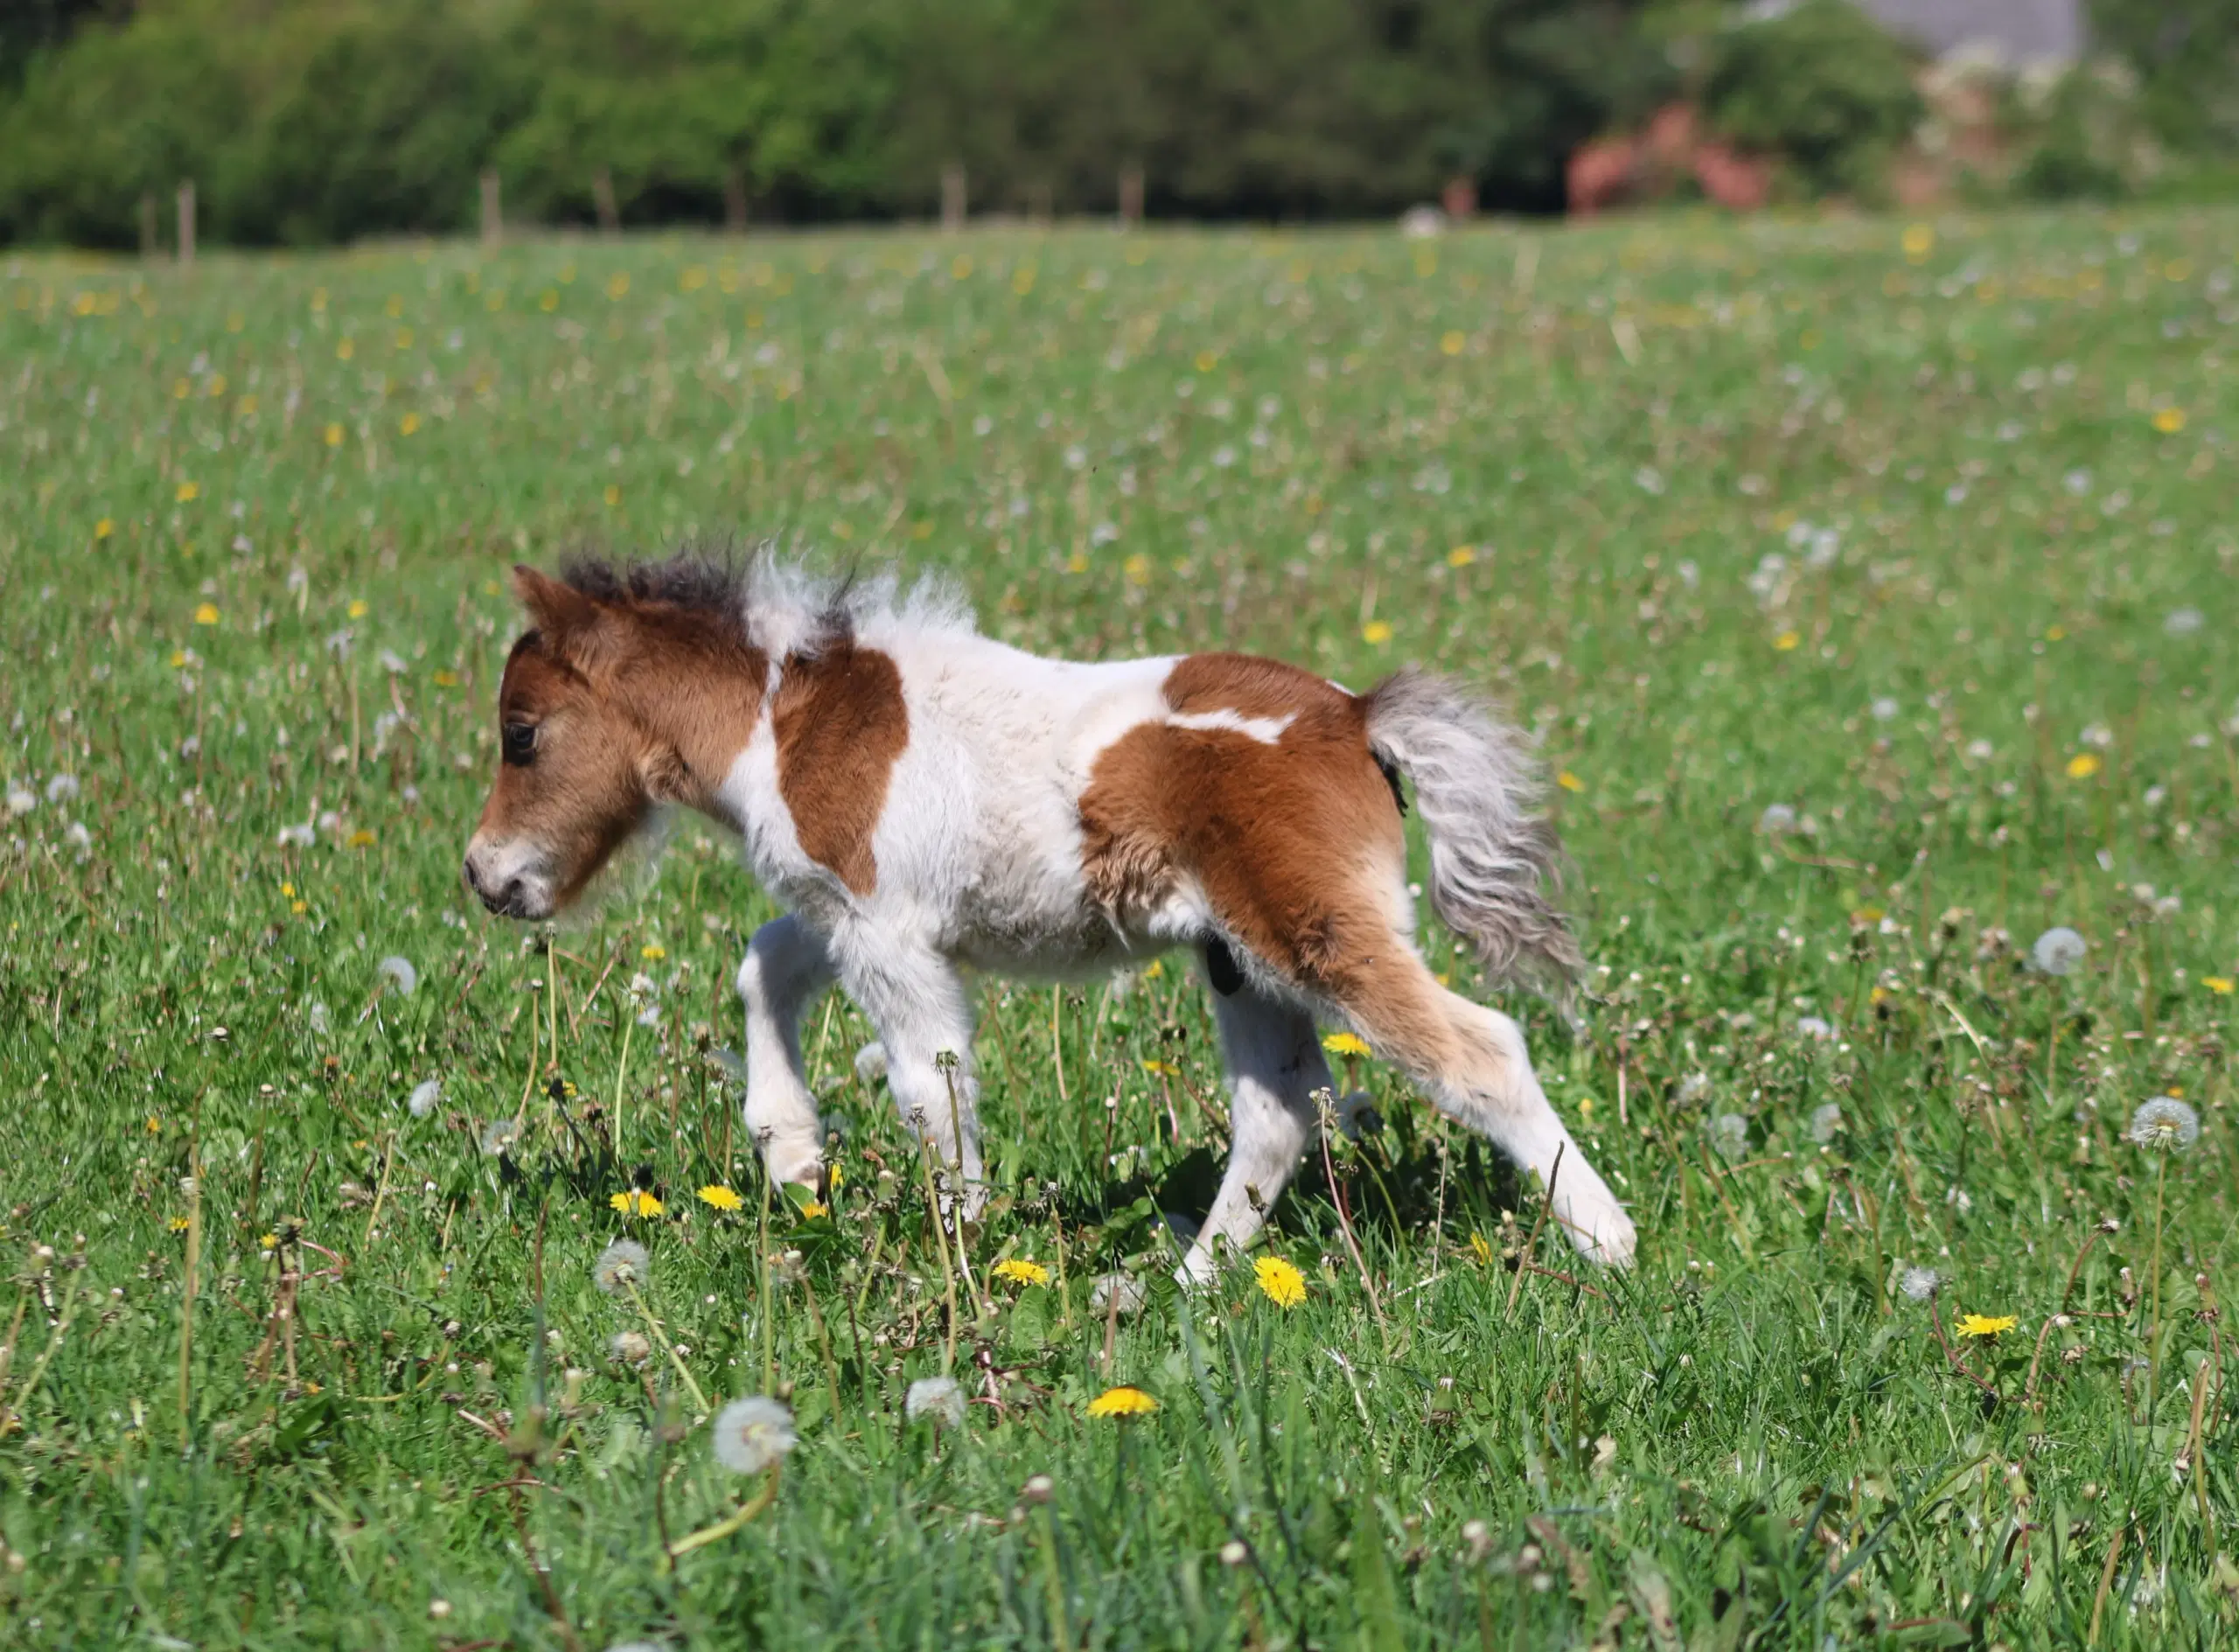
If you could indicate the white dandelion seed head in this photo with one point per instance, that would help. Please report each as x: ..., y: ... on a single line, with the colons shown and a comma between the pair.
x: 1693, y: 1088
x: 61, y: 787
x: 1730, y: 1135
x: 318, y: 1017
x: 2183, y: 622
x: 643, y: 986
x: 2058, y: 951
x: 1826, y: 1122
x: 630, y: 1347
x: 425, y: 1095
x: 2097, y: 735
x: 1814, y: 1027
x: 399, y: 973
x: 1883, y: 708
x: 1778, y: 819
x: 297, y: 837
x: 753, y: 1433
x: 21, y: 801
x: 623, y: 1262
x: 871, y: 1062
x: 76, y: 835
x: 1919, y: 1284
x: 937, y: 1399
x: 498, y: 1136
x: 2164, y: 1124
x: 392, y: 662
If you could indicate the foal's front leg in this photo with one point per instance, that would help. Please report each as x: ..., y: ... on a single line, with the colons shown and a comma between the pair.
x: 787, y: 964
x: 922, y: 1007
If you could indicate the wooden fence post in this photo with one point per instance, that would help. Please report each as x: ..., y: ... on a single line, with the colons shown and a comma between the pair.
x: 186, y: 221
x: 952, y: 196
x: 493, y: 214
x: 603, y: 202
x: 1130, y: 197
x: 735, y: 200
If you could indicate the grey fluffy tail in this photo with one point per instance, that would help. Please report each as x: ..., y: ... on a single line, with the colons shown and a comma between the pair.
x: 1495, y: 860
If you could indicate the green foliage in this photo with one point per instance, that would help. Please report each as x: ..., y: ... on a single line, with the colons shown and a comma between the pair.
x: 1922, y: 533
x: 1822, y: 86
x: 2186, y: 53
x: 2087, y: 141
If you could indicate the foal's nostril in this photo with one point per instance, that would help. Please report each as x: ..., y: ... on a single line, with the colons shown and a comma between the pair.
x: 467, y: 870
x: 510, y: 899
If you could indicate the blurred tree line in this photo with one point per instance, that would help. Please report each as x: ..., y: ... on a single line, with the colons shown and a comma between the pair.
x: 311, y: 120
x: 306, y: 120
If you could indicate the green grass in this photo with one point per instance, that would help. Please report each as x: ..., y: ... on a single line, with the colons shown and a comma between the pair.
x: 248, y: 583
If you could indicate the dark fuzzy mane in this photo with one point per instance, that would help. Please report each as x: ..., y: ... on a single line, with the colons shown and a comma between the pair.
x: 690, y: 579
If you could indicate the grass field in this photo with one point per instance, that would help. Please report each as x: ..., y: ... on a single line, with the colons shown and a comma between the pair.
x: 1868, y: 587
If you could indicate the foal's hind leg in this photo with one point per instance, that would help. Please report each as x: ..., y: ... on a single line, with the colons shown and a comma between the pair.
x: 1274, y: 1066
x: 1473, y: 1061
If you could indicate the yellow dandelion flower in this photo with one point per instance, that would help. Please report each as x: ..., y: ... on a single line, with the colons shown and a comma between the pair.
x: 155, y: 1126
x: 1451, y: 343
x: 188, y: 493
x: 1019, y: 1270
x: 1569, y: 782
x: 177, y: 1225
x: 613, y: 495
x: 1344, y: 1044
x: 1376, y: 633
x: 357, y: 609
x: 2082, y: 766
x: 2220, y: 984
x: 446, y: 680
x: 1461, y: 557
x: 1787, y: 640
x: 2169, y: 421
x: 346, y: 349
x: 813, y: 1208
x: 103, y: 528
x: 836, y: 1178
x: 1985, y: 1325
x: 618, y: 286
x: 206, y: 614
x: 2054, y: 633
x: 407, y: 424
x: 334, y: 435
x: 1207, y: 359
x: 718, y: 1196
x: 361, y: 839
x: 652, y: 951
x: 1867, y: 914
x: 1481, y: 1248
x: 1280, y: 1281
x: 1122, y: 1402
x: 635, y: 1201
x: 269, y: 1241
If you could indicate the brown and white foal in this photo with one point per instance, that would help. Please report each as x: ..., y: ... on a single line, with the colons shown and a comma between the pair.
x: 927, y: 802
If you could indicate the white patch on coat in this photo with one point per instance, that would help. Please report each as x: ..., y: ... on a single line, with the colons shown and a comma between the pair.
x: 1265, y: 730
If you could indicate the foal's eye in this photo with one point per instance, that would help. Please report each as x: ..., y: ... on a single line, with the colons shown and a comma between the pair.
x: 521, y: 745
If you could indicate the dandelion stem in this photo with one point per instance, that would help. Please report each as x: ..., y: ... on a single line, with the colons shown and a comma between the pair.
x: 824, y: 1344
x: 1537, y: 1222
x: 621, y: 1080
x: 738, y: 1518
x: 186, y: 1310
x: 1060, y: 1633
x: 667, y: 1346
x: 1057, y: 1038
x: 761, y: 1287
x: 1345, y: 1225
x: 12, y: 1413
x: 940, y: 1238
x: 2153, y: 1342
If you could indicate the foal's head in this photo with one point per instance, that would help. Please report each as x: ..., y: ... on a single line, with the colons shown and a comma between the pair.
x: 576, y: 773
x: 632, y: 689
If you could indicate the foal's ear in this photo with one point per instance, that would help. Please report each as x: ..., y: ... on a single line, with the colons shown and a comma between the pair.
x: 559, y: 610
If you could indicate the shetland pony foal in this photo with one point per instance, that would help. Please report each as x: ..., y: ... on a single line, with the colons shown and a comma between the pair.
x: 926, y: 802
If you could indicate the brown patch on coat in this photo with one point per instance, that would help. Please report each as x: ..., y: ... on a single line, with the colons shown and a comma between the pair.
x: 840, y: 725
x: 1287, y: 840
x: 634, y: 703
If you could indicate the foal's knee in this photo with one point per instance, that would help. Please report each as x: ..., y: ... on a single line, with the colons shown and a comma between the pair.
x: 762, y: 973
